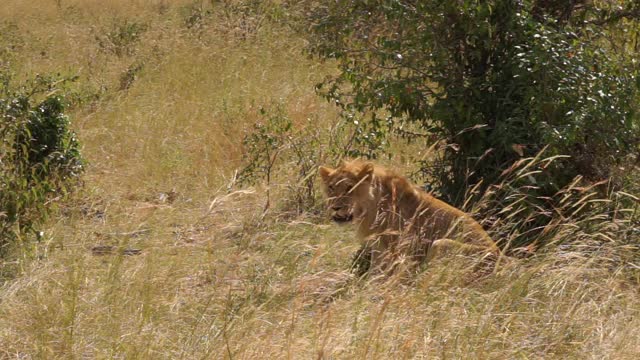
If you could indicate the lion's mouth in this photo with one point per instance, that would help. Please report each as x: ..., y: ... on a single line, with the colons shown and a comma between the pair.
x: 342, y: 219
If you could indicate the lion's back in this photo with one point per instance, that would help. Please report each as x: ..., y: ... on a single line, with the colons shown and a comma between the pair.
x: 454, y: 222
x: 426, y: 214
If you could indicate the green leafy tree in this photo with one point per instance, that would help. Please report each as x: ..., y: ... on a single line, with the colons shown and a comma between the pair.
x: 498, y: 80
x: 39, y: 154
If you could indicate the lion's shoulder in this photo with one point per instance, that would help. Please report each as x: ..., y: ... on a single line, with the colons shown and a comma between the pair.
x: 409, y: 195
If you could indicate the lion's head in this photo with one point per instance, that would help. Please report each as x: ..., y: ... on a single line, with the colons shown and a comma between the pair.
x: 347, y: 187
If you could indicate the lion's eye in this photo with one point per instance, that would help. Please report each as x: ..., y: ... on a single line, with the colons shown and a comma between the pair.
x: 331, y: 187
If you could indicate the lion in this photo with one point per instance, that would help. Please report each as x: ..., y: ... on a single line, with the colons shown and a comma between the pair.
x: 395, y: 218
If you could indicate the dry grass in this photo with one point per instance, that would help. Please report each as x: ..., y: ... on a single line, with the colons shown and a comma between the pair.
x: 216, y: 279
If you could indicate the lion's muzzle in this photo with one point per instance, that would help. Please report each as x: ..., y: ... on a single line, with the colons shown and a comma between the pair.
x: 342, y: 218
x: 341, y: 212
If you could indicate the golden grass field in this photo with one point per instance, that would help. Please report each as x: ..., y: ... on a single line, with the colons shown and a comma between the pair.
x: 215, y: 277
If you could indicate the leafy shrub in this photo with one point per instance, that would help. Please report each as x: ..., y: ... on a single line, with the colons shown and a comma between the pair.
x: 275, y: 145
x: 239, y: 19
x: 10, y: 41
x: 264, y: 144
x: 245, y: 18
x: 122, y: 37
x: 497, y: 80
x: 129, y: 76
x: 195, y: 16
x: 39, y: 154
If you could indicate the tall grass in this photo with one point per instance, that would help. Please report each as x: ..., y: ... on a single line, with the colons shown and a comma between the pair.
x: 215, y: 276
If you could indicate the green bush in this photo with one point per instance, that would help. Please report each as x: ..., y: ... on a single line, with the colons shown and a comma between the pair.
x: 239, y: 19
x: 122, y: 37
x: 277, y: 146
x: 195, y: 16
x: 39, y: 154
x: 498, y: 80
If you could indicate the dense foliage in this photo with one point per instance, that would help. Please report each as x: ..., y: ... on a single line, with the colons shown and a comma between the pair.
x: 497, y: 80
x: 39, y: 153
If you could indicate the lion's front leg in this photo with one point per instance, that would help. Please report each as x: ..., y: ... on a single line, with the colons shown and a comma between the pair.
x: 382, y: 252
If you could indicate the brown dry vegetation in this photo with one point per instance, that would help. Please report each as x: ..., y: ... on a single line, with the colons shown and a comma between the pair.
x: 215, y: 278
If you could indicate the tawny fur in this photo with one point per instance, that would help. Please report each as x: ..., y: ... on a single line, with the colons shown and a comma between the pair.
x: 396, y: 217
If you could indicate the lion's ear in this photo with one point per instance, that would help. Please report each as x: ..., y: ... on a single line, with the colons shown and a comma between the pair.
x: 325, y: 172
x: 367, y: 170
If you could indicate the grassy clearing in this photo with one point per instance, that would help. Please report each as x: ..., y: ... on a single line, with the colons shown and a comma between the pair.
x: 214, y: 277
